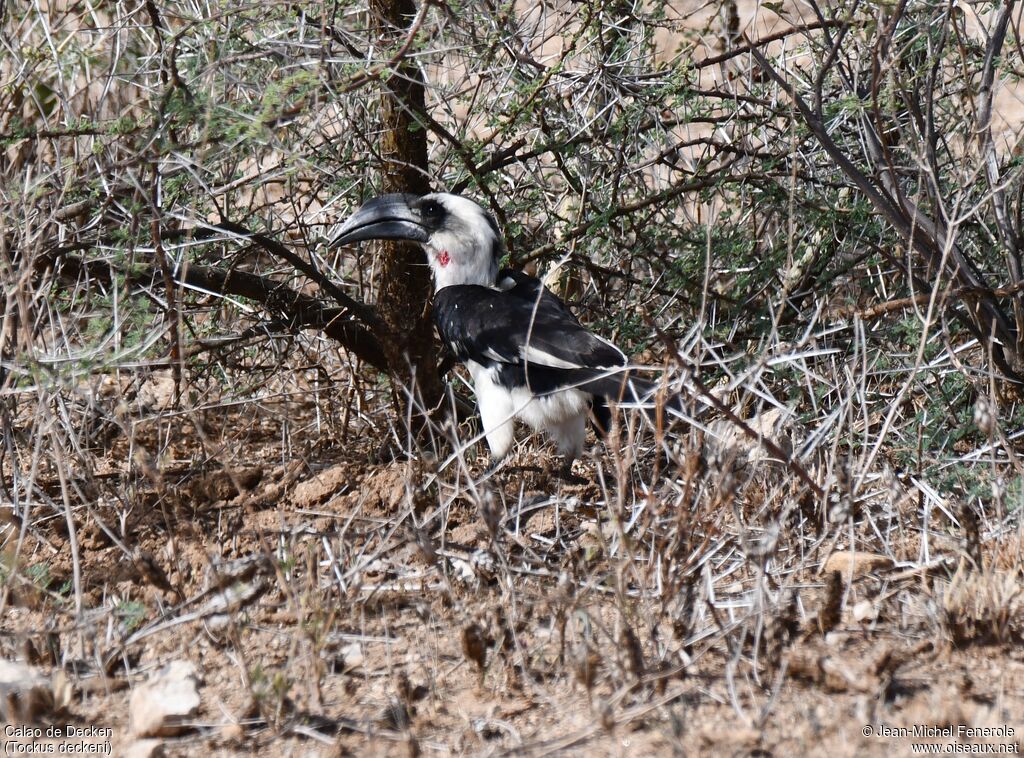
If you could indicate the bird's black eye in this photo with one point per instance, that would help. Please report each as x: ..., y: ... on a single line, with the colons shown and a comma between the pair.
x: 431, y: 208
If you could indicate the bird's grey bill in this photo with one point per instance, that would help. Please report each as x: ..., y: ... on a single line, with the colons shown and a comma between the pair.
x: 388, y: 217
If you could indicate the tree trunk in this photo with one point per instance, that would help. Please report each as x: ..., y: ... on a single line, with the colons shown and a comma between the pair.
x: 405, y: 288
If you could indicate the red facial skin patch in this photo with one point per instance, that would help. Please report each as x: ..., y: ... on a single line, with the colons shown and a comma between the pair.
x: 444, y: 259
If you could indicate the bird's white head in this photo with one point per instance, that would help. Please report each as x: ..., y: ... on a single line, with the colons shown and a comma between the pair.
x: 460, y: 238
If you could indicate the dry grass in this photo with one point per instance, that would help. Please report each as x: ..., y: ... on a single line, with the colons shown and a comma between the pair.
x: 673, y: 601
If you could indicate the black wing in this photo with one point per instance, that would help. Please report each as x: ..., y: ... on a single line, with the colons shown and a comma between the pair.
x: 524, y: 330
x: 527, y: 287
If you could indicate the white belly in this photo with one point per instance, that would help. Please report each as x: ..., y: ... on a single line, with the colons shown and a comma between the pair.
x: 562, y: 415
x: 543, y: 412
x: 540, y: 413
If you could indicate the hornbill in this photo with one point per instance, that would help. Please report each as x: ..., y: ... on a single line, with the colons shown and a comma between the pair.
x: 527, y: 354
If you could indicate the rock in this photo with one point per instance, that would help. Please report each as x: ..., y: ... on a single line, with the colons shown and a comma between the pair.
x: 592, y: 542
x: 322, y: 486
x: 350, y: 656
x: 144, y: 749
x: 387, y: 486
x: 225, y: 484
x: 161, y: 706
x: 853, y: 563
x: 832, y: 671
x: 157, y: 392
x: 232, y: 732
x: 224, y: 573
x: 726, y: 439
x: 26, y: 693
x: 222, y: 607
x: 865, y: 611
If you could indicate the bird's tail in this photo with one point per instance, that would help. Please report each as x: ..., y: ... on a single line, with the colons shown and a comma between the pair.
x: 627, y: 390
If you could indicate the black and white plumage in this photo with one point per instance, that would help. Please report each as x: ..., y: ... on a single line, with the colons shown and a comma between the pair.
x: 527, y: 354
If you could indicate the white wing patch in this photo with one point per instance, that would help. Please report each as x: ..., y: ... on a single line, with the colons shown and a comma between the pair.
x: 612, y: 346
x: 533, y: 354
